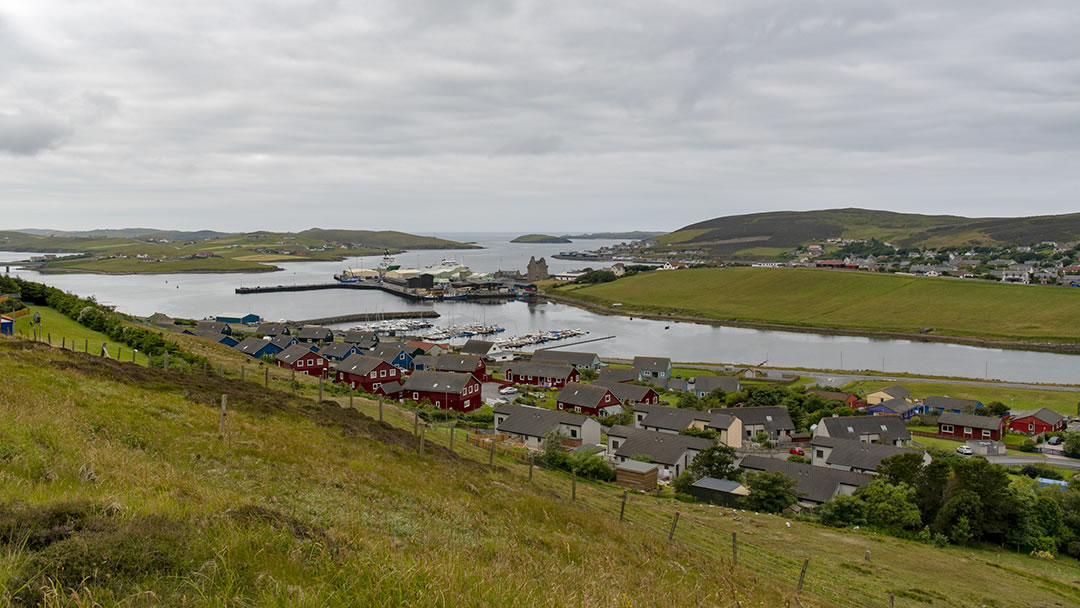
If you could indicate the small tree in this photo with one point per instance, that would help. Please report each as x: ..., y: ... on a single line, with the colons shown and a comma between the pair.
x: 891, y: 506
x: 762, y: 438
x: 1072, y: 445
x: 770, y: 492
x: 717, y: 461
x: 842, y: 512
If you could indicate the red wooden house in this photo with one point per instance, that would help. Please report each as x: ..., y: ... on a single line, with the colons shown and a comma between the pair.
x: 303, y: 360
x: 591, y: 399
x: 447, y: 390
x: 462, y: 364
x: 542, y: 373
x: 970, y: 426
x: 850, y: 400
x: 1037, y: 422
x: 367, y: 372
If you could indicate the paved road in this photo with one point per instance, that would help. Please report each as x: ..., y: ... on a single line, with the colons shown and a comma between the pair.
x: 1057, y: 461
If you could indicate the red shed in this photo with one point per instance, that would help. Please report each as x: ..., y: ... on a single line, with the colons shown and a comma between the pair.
x: 1037, y: 422
x: 970, y: 426
x: 367, y: 372
x: 303, y: 360
x: 447, y: 390
x: 542, y: 373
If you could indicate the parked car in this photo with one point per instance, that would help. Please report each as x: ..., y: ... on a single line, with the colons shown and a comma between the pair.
x: 799, y: 451
x: 508, y: 390
x: 965, y: 450
x: 1055, y: 440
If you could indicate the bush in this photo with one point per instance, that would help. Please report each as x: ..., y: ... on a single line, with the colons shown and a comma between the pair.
x: 1027, y: 445
x: 842, y: 512
x: 682, y: 483
x: 799, y: 459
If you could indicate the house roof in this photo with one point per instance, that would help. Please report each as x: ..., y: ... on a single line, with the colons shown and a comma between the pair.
x: 583, y: 395
x: 622, y: 430
x: 829, y: 395
x: 618, y: 374
x: 815, y: 484
x: 773, y: 418
x: 437, y: 382
x: 480, y: 348
x: 535, y: 421
x: 365, y: 338
x: 209, y: 334
x: 336, y: 350
x: 390, y: 387
x: 663, y: 448
x: 424, y: 361
x: 572, y: 357
x: 291, y: 354
x: 896, y: 406
x: 852, y: 427
x: 636, y: 466
x: 271, y: 329
x: 950, y: 403
x: 721, y: 485
x: 895, y: 391
x: 540, y: 369
x: 655, y: 364
x: 1043, y: 414
x: 388, y: 351
x: 976, y: 422
x: 426, y: 346
x: 212, y: 326
x: 250, y: 346
x: 728, y: 384
x: 314, y: 333
x: 456, y: 363
x: 626, y: 392
x: 858, y: 454
x: 670, y: 418
x: 673, y: 384
x: 282, y: 341
x: 360, y: 365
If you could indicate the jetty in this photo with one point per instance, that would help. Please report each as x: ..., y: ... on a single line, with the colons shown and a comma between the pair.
x: 404, y: 292
x: 368, y: 317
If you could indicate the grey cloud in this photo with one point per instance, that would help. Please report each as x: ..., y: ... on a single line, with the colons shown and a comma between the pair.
x: 704, y: 107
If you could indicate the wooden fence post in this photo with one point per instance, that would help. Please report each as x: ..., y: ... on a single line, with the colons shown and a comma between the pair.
x: 86, y: 345
x: 380, y: 408
x: 622, y: 509
x: 165, y: 363
x: 573, y: 484
x: 892, y: 600
x: 266, y: 377
x: 491, y: 454
x: 63, y: 342
x: 243, y: 371
x: 134, y: 352
x: 734, y: 549
x: 350, y: 400
x: 292, y: 381
x: 50, y: 338
x: 320, y: 388
x: 674, y: 522
x: 221, y: 421
x: 531, y: 459
x: 451, y: 435
x: 415, y: 423
x: 423, y: 431
x: 802, y: 574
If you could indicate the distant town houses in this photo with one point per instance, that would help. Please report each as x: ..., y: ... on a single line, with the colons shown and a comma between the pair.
x: 531, y: 425
x: 301, y: 359
x: 553, y: 373
x: 591, y: 399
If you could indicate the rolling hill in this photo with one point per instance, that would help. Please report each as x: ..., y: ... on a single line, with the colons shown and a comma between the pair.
x: 782, y: 230
x: 540, y: 238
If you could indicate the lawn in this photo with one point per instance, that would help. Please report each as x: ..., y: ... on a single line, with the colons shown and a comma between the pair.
x: 1064, y: 402
x: 63, y: 331
x: 846, y: 300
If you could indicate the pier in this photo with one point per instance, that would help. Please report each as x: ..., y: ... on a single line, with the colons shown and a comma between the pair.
x: 366, y: 317
x: 404, y: 292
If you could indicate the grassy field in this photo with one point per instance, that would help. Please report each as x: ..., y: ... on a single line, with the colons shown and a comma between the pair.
x: 852, y: 301
x: 62, y: 330
x: 1064, y: 402
x: 315, y: 505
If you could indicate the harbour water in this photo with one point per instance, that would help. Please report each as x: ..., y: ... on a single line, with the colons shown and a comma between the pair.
x: 200, y: 295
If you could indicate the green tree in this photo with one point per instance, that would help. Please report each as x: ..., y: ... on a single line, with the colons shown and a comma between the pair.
x: 994, y: 408
x: 842, y: 512
x: 901, y: 468
x: 690, y: 401
x: 961, y: 517
x: 1072, y: 444
x: 717, y: 462
x: 770, y: 492
x: 890, y: 506
x: 990, y: 483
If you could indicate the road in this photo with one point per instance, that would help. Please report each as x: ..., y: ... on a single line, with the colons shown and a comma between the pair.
x: 1057, y: 461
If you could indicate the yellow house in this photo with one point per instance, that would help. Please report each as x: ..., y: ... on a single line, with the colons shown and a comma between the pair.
x: 889, y: 392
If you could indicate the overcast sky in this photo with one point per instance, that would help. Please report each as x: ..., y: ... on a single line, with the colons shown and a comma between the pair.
x: 545, y: 115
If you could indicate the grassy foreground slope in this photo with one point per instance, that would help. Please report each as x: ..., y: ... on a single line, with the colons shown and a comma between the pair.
x: 853, y: 301
x: 118, y: 490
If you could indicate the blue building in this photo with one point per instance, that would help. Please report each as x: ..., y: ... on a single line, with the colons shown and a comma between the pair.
x: 941, y: 405
x: 894, y: 407
x: 258, y: 348
x: 248, y: 319
x: 396, y: 354
x: 336, y: 351
x: 7, y: 326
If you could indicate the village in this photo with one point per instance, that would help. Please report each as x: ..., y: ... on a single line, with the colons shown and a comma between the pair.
x: 645, y: 424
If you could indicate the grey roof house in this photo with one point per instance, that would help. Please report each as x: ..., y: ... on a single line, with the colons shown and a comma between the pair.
x: 815, y: 484
x: 673, y: 453
x: 868, y: 429
x: 532, y: 424
x: 579, y: 360
x: 852, y: 455
x: 774, y: 420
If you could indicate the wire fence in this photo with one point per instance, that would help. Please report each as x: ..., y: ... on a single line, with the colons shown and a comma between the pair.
x: 713, y: 532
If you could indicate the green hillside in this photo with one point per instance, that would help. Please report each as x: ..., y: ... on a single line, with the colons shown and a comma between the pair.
x: 118, y: 490
x: 540, y: 238
x: 247, y: 252
x: 855, y: 301
x: 788, y: 229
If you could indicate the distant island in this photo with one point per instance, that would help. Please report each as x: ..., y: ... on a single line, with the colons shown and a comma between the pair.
x: 540, y: 238
x: 636, y: 235
x: 148, y: 251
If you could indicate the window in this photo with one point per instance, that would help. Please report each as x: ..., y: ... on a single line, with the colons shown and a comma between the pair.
x: 374, y: 374
x: 466, y: 403
x: 821, y: 453
x: 376, y: 386
x: 382, y: 373
x: 573, y: 433
x: 607, y: 398
x: 393, y: 371
x: 967, y: 430
x: 986, y: 433
x: 577, y: 408
x: 300, y: 363
x: 614, y: 444
x: 320, y: 362
x: 946, y: 428
x: 884, y: 428
x: 1031, y: 426
x: 416, y: 396
x: 769, y: 418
